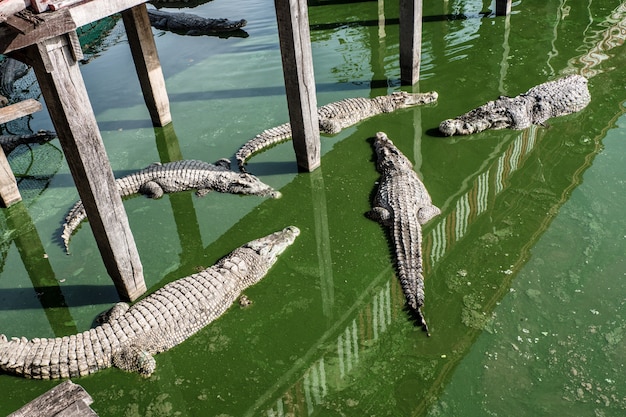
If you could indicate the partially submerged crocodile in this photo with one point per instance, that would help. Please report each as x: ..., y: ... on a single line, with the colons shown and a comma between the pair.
x: 403, y: 204
x: 551, y: 99
x: 171, y: 177
x: 130, y: 336
x: 10, y: 142
x: 334, y: 117
x: 191, y: 24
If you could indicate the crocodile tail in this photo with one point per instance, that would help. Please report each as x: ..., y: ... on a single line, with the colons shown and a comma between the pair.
x: 73, y: 219
x: 54, y: 358
x: 262, y: 142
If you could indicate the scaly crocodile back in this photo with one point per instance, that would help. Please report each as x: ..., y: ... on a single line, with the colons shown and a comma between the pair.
x: 551, y: 99
x: 162, y: 320
x: 171, y: 177
x: 402, y: 204
x: 334, y: 117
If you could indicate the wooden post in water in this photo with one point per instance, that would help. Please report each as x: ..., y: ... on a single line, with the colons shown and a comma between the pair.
x: 410, y: 40
x: 147, y: 64
x: 55, y: 63
x: 503, y: 7
x: 295, y: 48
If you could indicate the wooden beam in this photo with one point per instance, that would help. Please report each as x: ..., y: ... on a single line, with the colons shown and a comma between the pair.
x: 64, y: 91
x: 66, y: 399
x: 297, y: 58
x: 410, y: 40
x: 503, y: 7
x: 92, y: 10
x: 17, y: 110
x: 49, y: 26
x: 147, y: 64
x: 9, y: 193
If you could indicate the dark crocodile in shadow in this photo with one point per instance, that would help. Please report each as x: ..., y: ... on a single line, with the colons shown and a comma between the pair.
x: 334, y: 117
x: 402, y: 204
x: 10, y: 142
x: 193, y: 25
x: 158, y: 179
x: 130, y: 336
x: 551, y: 99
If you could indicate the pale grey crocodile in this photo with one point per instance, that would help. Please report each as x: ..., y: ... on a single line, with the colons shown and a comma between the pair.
x: 334, y: 117
x: 10, y: 142
x: 402, y: 204
x: 130, y: 336
x: 191, y: 24
x: 551, y: 99
x: 171, y: 177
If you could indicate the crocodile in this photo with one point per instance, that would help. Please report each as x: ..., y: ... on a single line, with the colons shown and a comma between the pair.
x: 191, y: 24
x: 402, y: 204
x: 563, y: 96
x: 10, y: 142
x: 130, y: 336
x: 171, y: 177
x: 334, y: 117
x: 11, y: 70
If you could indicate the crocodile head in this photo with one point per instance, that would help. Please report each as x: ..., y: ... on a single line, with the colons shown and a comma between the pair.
x: 244, y: 183
x: 262, y: 253
x: 270, y: 246
x: 388, y: 157
x: 402, y: 99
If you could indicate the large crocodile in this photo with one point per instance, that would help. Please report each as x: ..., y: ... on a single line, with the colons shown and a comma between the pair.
x: 334, y: 117
x: 402, y: 204
x: 10, y: 142
x: 130, y: 336
x: 171, y: 177
x: 551, y: 99
x: 191, y: 24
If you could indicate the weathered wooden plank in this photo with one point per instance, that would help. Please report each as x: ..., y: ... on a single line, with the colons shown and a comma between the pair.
x: 64, y: 91
x: 503, y: 7
x: 9, y: 193
x: 297, y: 58
x: 17, y: 110
x: 51, y: 25
x: 66, y: 399
x: 147, y: 64
x: 410, y: 40
x: 90, y: 11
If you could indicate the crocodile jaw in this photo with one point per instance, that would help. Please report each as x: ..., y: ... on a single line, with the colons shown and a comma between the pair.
x: 271, y: 246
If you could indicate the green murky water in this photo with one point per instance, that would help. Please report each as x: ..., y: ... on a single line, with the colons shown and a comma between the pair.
x: 525, y: 267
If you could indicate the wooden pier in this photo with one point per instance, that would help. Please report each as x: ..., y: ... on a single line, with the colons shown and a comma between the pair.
x: 44, y: 36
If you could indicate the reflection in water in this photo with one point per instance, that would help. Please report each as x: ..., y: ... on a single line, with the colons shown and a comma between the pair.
x: 451, y: 227
x: 369, y: 319
x: 39, y: 270
x: 322, y: 237
x: 458, y: 39
x: 599, y: 43
x: 183, y: 209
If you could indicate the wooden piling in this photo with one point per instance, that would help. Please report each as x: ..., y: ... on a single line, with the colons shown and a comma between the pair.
x: 9, y: 193
x: 410, y: 40
x: 147, y: 64
x: 64, y: 91
x: 295, y: 46
x: 503, y: 7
